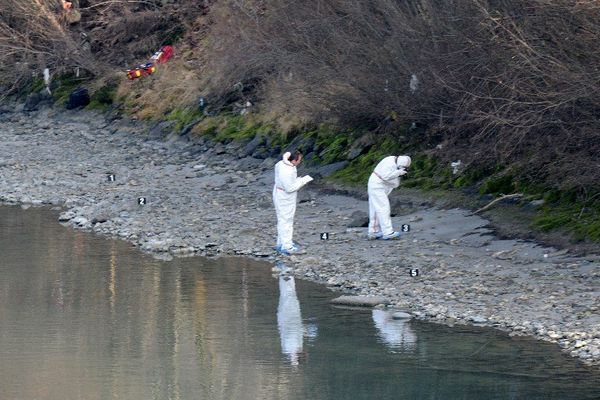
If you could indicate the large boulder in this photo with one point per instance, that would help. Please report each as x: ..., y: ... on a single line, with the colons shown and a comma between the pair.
x: 36, y: 100
x: 188, y: 128
x: 261, y: 153
x: 329, y: 169
x: 304, y: 144
x: 161, y: 130
x: 360, y: 146
x: 249, y: 163
x: 359, y: 301
x: 253, y: 145
x: 78, y: 98
x: 359, y: 219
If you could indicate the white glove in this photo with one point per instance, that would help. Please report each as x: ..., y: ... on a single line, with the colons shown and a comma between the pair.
x: 402, y: 171
x: 306, y: 179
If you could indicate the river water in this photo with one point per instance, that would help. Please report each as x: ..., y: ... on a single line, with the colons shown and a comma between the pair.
x: 85, y: 317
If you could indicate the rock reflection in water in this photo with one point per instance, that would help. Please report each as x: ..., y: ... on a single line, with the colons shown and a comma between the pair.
x: 395, y: 333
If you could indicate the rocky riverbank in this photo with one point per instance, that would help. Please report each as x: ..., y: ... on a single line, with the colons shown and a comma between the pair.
x: 202, y: 199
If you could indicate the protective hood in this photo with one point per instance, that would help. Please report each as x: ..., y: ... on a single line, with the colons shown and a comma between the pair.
x: 286, y: 158
x: 403, y: 161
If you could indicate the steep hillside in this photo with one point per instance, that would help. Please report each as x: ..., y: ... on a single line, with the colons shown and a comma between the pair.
x: 509, y: 93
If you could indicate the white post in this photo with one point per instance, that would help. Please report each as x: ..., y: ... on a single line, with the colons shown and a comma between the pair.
x: 47, y: 80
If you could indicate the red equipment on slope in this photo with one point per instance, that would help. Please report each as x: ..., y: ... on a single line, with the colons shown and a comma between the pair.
x: 160, y: 57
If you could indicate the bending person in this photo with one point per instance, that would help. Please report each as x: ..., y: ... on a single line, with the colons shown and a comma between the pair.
x: 285, y: 191
x: 384, y: 179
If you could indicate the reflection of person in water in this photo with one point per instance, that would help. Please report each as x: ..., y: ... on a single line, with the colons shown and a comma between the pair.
x: 289, y: 319
x: 395, y: 333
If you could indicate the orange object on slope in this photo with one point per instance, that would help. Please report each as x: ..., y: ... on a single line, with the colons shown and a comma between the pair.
x: 160, y: 57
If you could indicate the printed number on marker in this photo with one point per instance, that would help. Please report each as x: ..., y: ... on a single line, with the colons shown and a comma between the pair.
x: 414, y: 272
x: 324, y: 236
x: 141, y: 200
x: 405, y: 228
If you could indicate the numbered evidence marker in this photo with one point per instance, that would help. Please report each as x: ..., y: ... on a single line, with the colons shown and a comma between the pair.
x: 142, y: 201
x: 413, y: 272
x: 325, y: 236
x: 405, y: 228
x: 111, y: 177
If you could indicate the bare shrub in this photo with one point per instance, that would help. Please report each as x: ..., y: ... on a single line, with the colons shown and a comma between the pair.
x: 106, y: 34
x: 34, y: 35
x: 500, y: 81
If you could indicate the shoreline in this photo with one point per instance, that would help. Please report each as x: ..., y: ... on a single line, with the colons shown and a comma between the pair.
x: 203, y: 200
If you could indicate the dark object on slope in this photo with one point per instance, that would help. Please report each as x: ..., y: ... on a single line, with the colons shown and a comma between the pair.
x: 78, y: 98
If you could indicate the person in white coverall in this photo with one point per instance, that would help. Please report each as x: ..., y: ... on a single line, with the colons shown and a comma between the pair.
x: 384, y: 179
x: 285, y: 192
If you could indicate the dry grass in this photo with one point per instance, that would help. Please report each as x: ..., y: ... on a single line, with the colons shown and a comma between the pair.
x: 172, y: 86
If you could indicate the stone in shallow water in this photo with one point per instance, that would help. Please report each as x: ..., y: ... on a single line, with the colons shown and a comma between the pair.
x: 401, y: 315
x: 478, y: 319
x: 362, y: 301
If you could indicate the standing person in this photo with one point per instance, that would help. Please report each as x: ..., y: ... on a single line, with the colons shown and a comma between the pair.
x: 384, y: 179
x: 285, y: 191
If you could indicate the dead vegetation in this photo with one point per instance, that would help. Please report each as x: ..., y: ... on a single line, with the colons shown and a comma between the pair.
x: 494, y: 82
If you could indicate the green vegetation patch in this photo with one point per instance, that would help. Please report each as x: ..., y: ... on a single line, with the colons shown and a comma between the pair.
x: 581, y: 220
x: 502, y: 183
x: 329, y: 143
x: 103, y: 97
x: 183, y: 117
x: 359, y: 169
x: 36, y: 85
x: 228, y: 127
x: 64, y: 85
x: 236, y: 127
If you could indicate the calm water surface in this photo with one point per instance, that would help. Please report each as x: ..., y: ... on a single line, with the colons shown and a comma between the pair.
x: 83, y: 317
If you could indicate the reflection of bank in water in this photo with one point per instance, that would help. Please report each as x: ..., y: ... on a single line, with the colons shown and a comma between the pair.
x: 395, y: 333
x: 289, y: 320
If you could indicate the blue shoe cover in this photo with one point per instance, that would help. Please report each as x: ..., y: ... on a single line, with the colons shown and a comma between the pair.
x: 393, y: 235
x: 292, y: 250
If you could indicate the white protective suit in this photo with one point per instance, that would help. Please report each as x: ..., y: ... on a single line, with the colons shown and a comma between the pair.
x: 289, y: 319
x: 285, y: 191
x: 384, y: 179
